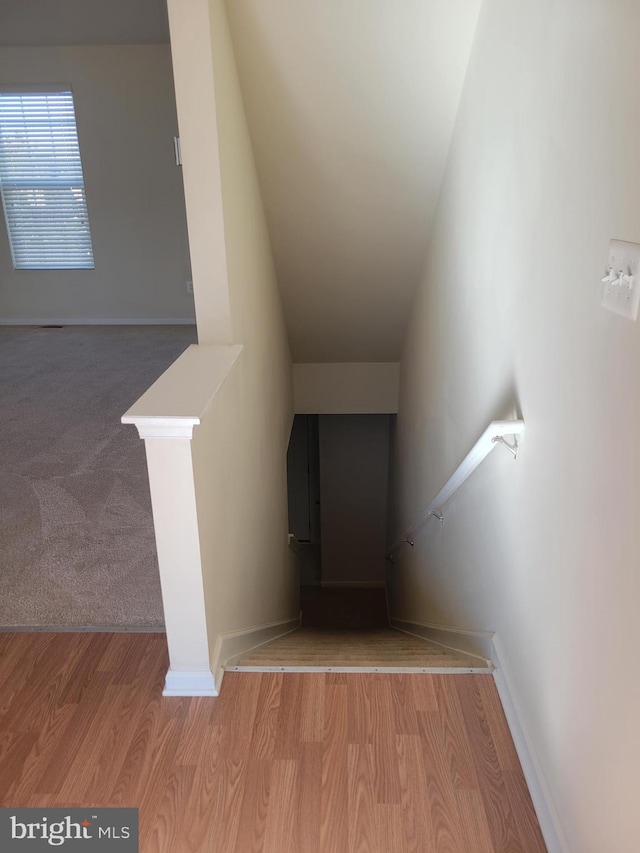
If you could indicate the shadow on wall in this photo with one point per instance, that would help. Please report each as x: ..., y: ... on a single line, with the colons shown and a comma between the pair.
x: 487, y: 490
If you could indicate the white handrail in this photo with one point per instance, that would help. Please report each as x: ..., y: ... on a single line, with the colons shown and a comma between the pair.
x: 490, y: 438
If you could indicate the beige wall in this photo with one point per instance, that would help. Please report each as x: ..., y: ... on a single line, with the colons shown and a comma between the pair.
x: 198, y: 122
x: 239, y: 454
x: 354, y: 459
x: 239, y: 450
x: 350, y: 167
x: 346, y: 388
x: 543, y: 171
x: 125, y: 111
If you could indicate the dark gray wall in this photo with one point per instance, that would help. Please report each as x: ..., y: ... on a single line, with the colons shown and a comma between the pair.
x: 354, y: 461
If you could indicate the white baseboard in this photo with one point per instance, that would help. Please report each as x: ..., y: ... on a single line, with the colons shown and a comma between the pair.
x: 234, y: 644
x: 477, y: 644
x: 353, y: 584
x: 92, y: 321
x: 548, y: 817
x: 197, y: 682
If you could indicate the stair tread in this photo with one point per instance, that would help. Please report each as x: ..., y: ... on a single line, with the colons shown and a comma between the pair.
x: 381, y: 647
x: 332, y: 660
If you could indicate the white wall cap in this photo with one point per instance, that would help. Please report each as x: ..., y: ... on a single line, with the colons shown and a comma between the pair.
x: 163, y: 427
x: 176, y: 402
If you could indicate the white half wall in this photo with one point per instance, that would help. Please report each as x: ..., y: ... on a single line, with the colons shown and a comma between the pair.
x: 125, y: 111
x: 166, y: 415
x: 543, y: 171
x: 346, y: 388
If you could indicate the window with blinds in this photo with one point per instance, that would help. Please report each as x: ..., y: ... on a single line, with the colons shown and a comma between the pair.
x: 41, y: 181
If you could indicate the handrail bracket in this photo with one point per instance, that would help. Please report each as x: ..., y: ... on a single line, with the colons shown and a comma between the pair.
x: 493, y: 434
x: 512, y: 448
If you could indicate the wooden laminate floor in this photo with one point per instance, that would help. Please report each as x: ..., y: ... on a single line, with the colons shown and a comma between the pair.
x: 280, y: 762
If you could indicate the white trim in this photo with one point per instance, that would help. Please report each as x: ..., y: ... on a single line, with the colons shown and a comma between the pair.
x: 153, y: 427
x: 97, y: 321
x: 178, y: 399
x: 429, y: 670
x: 353, y: 584
x: 477, y: 644
x: 548, y: 817
x: 199, y: 682
x: 234, y: 644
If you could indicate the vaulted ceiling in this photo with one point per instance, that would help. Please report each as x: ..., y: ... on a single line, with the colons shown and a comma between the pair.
x: 351, y: 107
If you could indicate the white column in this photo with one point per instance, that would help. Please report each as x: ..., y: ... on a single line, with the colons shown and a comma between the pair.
x: 178, y: 543
x: 165, y: 417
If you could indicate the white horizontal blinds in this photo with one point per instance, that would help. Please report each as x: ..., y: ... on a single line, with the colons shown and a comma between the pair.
x: 41, y: 182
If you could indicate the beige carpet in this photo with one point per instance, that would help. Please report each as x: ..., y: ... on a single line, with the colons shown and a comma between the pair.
x: 76, y: 534
x: 359, y: 649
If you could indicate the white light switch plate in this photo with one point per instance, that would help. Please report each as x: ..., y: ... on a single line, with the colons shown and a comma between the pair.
x: 621, y: 285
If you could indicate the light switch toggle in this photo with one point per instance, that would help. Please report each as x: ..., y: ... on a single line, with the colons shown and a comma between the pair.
x: 611, y: 277
x: 619, y: 293
x: 627, y: 280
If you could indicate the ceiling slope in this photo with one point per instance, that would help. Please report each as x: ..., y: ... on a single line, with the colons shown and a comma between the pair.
x: 351, y: 106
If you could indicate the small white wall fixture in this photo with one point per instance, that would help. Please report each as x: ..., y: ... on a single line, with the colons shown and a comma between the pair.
x: 166, y: 416
x: 621, y: 284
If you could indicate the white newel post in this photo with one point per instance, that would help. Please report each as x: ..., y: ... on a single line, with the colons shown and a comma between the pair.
x: 165, y: 417
x: 176, y: 528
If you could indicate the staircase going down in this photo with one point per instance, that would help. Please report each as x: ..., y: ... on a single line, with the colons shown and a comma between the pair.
x: 330, y: 650
x: 346, y: 630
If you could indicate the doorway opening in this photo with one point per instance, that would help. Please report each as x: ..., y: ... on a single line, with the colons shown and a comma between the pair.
x: 337, y: 468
